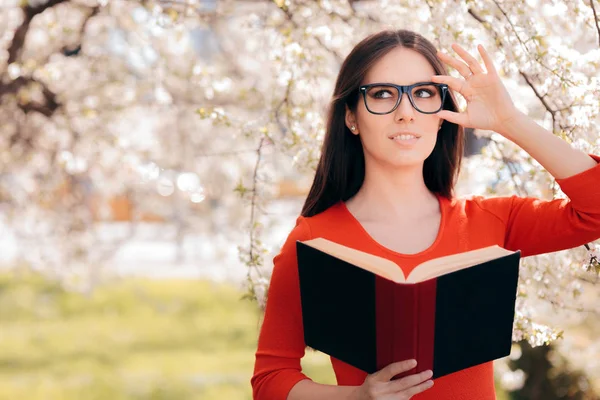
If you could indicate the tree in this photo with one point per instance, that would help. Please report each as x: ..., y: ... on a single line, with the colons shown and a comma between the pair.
x: 188, y: 107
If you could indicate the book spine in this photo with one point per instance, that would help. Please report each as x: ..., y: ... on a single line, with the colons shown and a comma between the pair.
x: 405, y: 327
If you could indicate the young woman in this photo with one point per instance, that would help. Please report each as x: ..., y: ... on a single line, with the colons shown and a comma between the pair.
x: 384, y: 185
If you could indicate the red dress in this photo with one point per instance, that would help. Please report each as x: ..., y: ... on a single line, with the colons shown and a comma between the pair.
x: 531, y: 225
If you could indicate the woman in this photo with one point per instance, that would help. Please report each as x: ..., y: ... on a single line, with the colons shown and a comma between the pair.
x: 384, y: 185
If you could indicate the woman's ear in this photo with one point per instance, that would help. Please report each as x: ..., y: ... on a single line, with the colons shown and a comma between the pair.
x: 351, y: 121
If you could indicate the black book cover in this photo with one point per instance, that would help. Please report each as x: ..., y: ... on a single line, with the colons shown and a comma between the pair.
x: 454, y: 321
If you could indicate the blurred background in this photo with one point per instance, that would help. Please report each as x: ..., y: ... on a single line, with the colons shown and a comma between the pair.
x: 154, y: 155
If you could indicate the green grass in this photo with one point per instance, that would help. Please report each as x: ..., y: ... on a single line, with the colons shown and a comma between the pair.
x: 132, y: 339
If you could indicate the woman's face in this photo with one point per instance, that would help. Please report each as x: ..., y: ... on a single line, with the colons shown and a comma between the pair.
x: 379, y: 133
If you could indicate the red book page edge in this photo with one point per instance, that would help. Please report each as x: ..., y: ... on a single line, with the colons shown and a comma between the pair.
x: 398, y: 339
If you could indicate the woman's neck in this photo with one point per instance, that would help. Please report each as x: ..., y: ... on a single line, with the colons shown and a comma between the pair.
x: 393, y: 194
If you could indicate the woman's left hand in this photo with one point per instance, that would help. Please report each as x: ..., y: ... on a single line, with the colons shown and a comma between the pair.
x: 489, y: 105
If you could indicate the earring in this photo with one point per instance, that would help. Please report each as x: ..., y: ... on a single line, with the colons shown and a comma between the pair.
x: 353, y: 128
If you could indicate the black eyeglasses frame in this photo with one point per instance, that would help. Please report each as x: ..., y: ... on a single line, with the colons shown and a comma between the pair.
x: 404, y: 89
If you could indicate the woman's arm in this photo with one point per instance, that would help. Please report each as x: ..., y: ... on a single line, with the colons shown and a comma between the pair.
x: 277, y: 370
x: 281, y: 340
x: 537, y: 226
x: 532, y: 225
x: 309, y: 390
x: 558, y: 157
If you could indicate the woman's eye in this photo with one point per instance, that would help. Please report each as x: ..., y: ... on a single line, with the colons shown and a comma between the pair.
x: 381, y: 94
x: 429, y: 93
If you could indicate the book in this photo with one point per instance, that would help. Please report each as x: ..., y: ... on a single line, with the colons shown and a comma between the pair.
x: 450, y: 313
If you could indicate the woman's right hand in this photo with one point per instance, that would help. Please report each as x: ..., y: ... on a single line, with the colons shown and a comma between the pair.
x: 379, y: 386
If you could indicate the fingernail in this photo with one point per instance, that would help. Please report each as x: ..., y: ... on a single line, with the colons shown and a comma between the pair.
x: 429, y: 383
x: 413, y: 362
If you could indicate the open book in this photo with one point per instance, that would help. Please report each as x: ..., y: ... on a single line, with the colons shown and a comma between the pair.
x: 449, y: 314
x: 389, y: 270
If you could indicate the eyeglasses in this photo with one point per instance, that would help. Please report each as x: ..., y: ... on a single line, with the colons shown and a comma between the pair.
x: 383, y: 98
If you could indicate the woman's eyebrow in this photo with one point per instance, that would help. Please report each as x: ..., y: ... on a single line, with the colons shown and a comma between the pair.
x: 388, y: 82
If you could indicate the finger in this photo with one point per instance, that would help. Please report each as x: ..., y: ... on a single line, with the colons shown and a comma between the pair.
x: 396, y: 368
x: 489, y: 63
x: 454, y: 117
x: 458, y: 65
x: 410, y: 381
x: 418, y: 389
x: 470, y: 60
x: 452, y: 82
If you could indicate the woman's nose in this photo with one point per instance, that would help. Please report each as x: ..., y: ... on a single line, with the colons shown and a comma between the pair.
x: 405, y: 108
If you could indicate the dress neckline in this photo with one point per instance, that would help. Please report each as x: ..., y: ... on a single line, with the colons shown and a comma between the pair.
x: 438, y: 238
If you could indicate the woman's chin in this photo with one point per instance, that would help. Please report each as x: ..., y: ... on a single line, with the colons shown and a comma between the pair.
x: 399, y: 159
x: 407, y: 159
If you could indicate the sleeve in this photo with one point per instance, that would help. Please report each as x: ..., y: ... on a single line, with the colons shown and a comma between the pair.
x: 537, y: 226
x: 281, y: 344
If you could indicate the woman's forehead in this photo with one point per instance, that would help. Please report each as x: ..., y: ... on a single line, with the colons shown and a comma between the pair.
x: 402, y: 67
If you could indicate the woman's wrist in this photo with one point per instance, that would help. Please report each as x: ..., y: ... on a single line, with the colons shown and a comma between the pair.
x: 355, y: 394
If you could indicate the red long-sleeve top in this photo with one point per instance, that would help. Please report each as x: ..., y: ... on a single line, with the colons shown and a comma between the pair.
x: 531, y: 225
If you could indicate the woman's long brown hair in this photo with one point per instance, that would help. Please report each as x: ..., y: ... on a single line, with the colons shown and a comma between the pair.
x: 341, y: 169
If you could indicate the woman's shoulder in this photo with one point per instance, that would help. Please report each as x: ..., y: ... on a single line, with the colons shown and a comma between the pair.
x: 333, y: 218
x: 330, y: 213
x: 473, y: 204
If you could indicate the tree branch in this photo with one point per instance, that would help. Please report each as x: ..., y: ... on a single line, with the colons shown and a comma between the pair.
x: 75, y: 49
x: 499, y: 42
x: 253, y: 257
x: 505, y: 14
x: 540, y: 97
x: 290, y: 17
x: 595, y: 20
x: 571, y: 308
x: 16, y: 46
x: 50, y: 103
